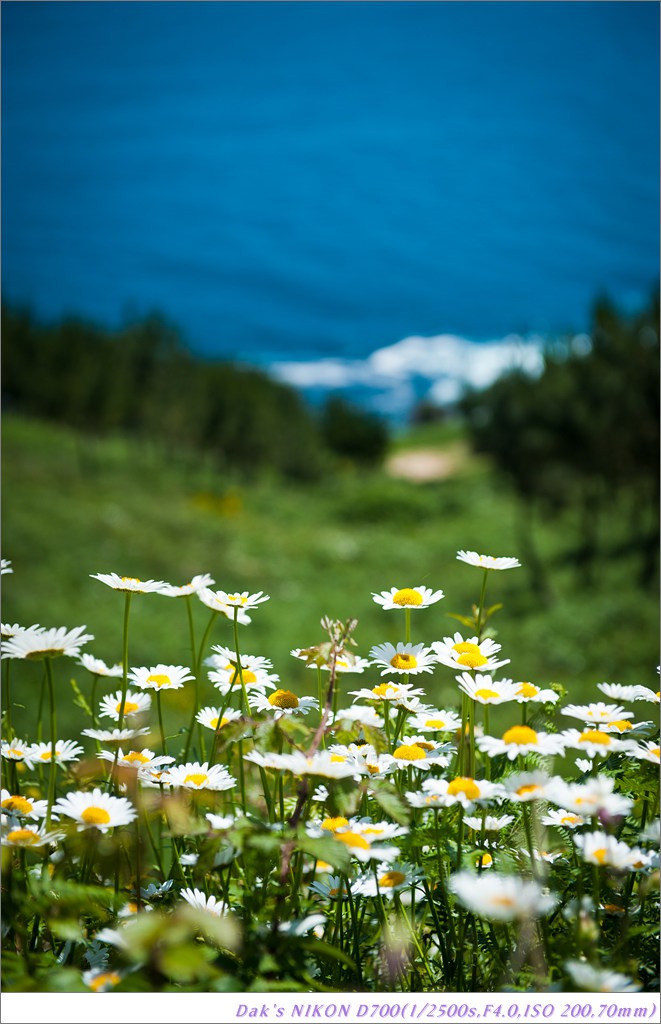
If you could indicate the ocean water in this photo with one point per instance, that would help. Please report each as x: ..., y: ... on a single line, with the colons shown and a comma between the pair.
x: 308, y: 185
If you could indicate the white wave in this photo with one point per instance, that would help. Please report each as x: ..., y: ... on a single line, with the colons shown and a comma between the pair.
x: 450, y: 364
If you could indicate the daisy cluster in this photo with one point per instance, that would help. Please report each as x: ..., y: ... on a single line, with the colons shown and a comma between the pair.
x: 270, y: 812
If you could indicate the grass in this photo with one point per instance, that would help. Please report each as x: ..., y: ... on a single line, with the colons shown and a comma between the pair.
x: 75, y: 505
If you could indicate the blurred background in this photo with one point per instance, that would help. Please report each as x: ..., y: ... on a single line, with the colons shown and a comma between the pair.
x: 310, y: 296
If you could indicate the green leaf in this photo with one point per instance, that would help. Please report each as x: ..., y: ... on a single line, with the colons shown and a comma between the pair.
x: 465, y: 621
x: 324, y: 949
x: 79, y: 699
x: 327, y: 849
x: 390, y: 801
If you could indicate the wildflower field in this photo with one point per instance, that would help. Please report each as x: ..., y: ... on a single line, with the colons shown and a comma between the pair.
x: 359, y: 837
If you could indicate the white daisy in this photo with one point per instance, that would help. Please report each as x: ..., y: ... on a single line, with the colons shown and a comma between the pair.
x: 7, y: 631
x: 617, y: 692
x: 487, y: 561
x: 320, y: 764
x: 283, y: 702
x: 484, y: 690
x: 345, y: 661
x: 501, y: 897
x: 17, y: 750
x: 621, y: 726
x: 128, y: 584
x: 5, y: 566
x: 200, y: 901
x: 563, y: 818
x: 253, y: 678
x: 361, y: 713
x: 594, y: 742
x: 209, y: 717
x: 435, y: 721
x: 100, y: 980
x: 393, y: 693
x: 645, y: 693
x: 388, y: 880
x: 244, y: 600
x: 489, y: 823
x: 335, y: 887
x: 377, y: 831
x: 363, y: 849
x: 135, y: 704
x: 592, y: 979
x: 197, y: 583
x: 597, y: 712
x: 212, y: 599
x: 455, y: 652
x: 526, y: 692
x: 98, y: 667
x: 141, y: 759
x: 224, y: 660
x: 220, y: 822
x: 460, y: 790
x: 648, y: 751
x: 521, y: 739
x: 65, y: 750
x: 114, y: 735
x: 96, y: 809
x: 523, y: 787
x: 194, y: 775
x: 35, y: 644
x: 22, y: 806
x: 405, y: 658
x: 418, y: 752
x: 160, y: 677
x: 409, y: 597
x: 606, y: 851
x: 27, y: 836
x: 596, y: 796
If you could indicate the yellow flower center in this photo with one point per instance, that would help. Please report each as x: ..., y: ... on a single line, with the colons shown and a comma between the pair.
x: 237, y: 597
x: 353, y: 839
x: 465, y: 786
x: 372, y: 831
x: 196, y: 778
x: 600, y: 855
x: 502, y: 901
x: 656, y: 751
x: 129, y: 707
x: 527, y: 690
x: 465, y: 647
x: 435, y: 723
x: 14, y: 752
x: 597, y: 713
x: 373, y: 769
x: 527, y: 790
x: 248, y: 676
x: 621, y: 725
x: 213, y: 722
x: 472, y: 660
x: 520, y: 734
x: 382, y: 689
x: 338, y: 758
x: 595, y: 736
x: 391, y: 879
x: 407, y: 597
x: 404, y: 661
x: 18, y: 804
x: 486, y: 860
x: 331, y: 824
x: 46, y: 756
x: 571, y: 819
x: 283, y: 699
x: 101, y: 980
x: 486, y: 694
x: 95, y: 816
x: 410, y: 752
x: 23, y: 837
x: 159, y: 679
x: 130, y: 579
x: 135, y: 757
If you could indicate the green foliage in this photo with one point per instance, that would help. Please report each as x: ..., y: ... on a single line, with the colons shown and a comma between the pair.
x: 141, y: 381
x: 585, y: 430
x: 352, y: 433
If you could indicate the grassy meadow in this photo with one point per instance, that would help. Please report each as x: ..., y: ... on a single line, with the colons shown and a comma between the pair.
x: 74, y: 504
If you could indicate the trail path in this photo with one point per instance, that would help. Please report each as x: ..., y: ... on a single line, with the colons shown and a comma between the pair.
x: 420, y: 465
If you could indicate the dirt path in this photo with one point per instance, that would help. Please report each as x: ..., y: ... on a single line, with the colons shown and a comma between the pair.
x: 422, y: 464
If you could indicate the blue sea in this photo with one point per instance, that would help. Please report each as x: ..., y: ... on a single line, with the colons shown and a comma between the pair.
x: 389, y: 197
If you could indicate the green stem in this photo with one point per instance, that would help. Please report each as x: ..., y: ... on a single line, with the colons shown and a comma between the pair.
x: 196, y: 695
x: 53, y: 742
x: 125, y: 658
x: 527, y: 824
x: 95, y: 680
x: 460, y: 836
x: 481, y: 605
x: 160, y: 721
x: 487, y: 760
x: 7, y: 703
x: 407, y: 625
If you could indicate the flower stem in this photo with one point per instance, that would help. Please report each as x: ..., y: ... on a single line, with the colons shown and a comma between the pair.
x: 160, y: 721
x: 7, y: 701
x: 125, y: 658
x: 53, y: 741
